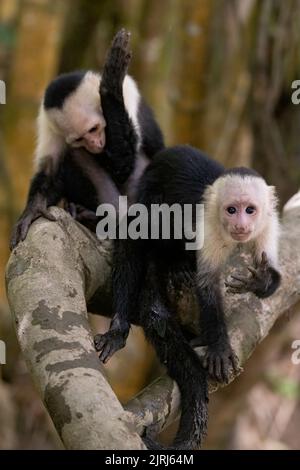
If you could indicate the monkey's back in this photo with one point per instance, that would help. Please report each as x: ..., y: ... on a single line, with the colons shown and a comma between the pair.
x: 178, y: 174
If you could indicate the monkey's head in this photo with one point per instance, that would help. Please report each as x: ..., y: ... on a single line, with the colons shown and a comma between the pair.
x: 243, y: 205
x: 72, y: 103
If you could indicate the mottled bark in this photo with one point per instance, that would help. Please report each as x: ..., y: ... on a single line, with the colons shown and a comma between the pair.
x: 50, y: 278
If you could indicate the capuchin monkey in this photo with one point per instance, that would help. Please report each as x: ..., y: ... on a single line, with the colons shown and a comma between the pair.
x: 239, y: 209
x: 96, y: 135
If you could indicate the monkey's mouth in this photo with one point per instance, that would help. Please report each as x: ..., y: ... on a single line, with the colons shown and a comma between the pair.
x: 240, y: 236
x: 96, y: 150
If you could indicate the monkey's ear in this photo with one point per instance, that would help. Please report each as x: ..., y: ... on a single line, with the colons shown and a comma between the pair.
x: 210, y: 195
x: 273, y: 198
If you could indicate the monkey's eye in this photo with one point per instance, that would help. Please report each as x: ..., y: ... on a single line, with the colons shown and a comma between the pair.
x: 250, y: 210
x: 93, y: 129
x: 78, y: 140
x: 231, y: 210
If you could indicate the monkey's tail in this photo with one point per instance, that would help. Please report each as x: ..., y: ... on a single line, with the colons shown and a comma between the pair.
x: 185, y: 368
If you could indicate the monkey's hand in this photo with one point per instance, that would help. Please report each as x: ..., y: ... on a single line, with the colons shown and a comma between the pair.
x: 116, y: 65
x: 30, y: 214
x: 220, y: 361
x: 263, y: 280
x: 113, y: 340
x: 82, y: 215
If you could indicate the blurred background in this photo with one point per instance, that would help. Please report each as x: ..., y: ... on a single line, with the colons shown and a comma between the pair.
x: 218, y: 75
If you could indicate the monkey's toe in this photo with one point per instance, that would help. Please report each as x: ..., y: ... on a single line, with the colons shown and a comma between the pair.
x: 109, y: 343
x: 120, y: 49
x: 221, y: 362
x: 116, y: 66
x: 121, y: 39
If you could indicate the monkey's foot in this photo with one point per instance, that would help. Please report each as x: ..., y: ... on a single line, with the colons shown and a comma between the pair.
x: 27, y: 218
x: 116, y: 65
x: 110, y: 342
x: 82, y: 215
x: 220, y: 361
x: 263, y: 280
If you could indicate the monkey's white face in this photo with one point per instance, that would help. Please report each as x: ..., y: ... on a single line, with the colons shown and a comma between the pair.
x: 81, y: 121
x: 239, y: 219
x: 243, y: 205
x: 92, y: 140
x: 83, y: 127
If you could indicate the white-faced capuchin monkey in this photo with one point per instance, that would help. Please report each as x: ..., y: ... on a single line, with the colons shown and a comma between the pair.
x: 96, y: 134
x: 239, y: 208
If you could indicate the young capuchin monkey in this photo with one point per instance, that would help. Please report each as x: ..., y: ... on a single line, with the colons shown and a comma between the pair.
x: 96, y: 135
x: 239, y: 209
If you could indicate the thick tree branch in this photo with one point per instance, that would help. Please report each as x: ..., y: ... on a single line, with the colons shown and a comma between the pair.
x: 50, y: 278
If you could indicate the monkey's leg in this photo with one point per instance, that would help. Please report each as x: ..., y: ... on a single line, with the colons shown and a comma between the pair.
x: 263, y: 281
x: 127, y: 278
x: 219, y: 357
x: 116, y: 65
x: 183, y: 366
x: 121, y: 139
x: 45, y: 190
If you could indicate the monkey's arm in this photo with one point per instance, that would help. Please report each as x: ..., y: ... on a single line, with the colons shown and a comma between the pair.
x: 127, y: 280
x: 121, y: 139
x: 219, y: 358
x: 46, y: 189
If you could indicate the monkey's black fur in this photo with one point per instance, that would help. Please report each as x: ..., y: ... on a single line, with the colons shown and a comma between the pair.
x: 62, y: 87
x: 113, y: 167
x: 242, y: 172
x: 142, y: 270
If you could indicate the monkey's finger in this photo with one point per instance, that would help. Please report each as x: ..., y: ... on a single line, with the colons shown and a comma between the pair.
x: 236, y: 290
x: 72, y: 209
x: 25, y: 227
x: 13, y: 243
x: 15, y: 237
x: 242, y: 279
x: 252, y: 270
x: 235, y: 285
x: 205, y: 362
x: 47, y: 215
x: 217, y: 369
x: 224, y: 370
x: 122, y: 37
x: 105, y: 354
x: 87, y: 215
x: 232, y: 284
x: 234, y: 363
x: 211, y: 366
x: 264, y: 258
x: 99, y: 342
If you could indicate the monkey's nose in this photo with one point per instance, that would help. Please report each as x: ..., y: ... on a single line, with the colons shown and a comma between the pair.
x: 240, y: 229
x: 98, y: 144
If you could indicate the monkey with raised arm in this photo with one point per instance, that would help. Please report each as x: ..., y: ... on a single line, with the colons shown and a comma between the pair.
x: 96, y: 134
